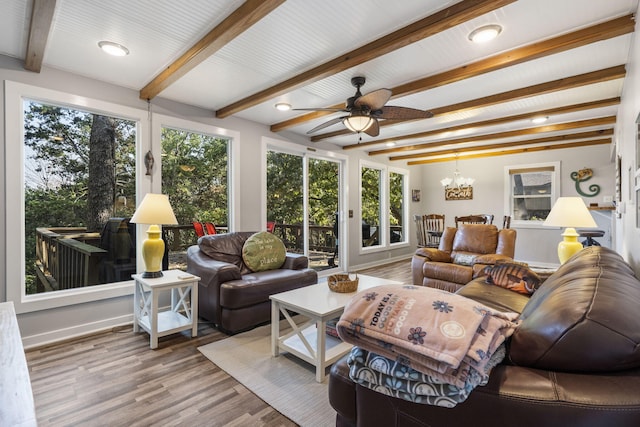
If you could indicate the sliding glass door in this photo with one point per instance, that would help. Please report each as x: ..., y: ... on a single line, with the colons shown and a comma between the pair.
x: 303, y: 205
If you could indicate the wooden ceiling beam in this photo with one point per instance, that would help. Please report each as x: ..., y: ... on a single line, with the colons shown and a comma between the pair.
x: 447, y: 18
x: 601, y: 121
x: 557, y: 138
x: 599, y: 32
x: 39, y: 29
x: 516, y: 151
x: 235, y: 24
x: 500, y: 120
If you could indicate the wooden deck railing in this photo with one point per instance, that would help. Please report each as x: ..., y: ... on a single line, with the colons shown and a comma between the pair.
x: 66, y: 258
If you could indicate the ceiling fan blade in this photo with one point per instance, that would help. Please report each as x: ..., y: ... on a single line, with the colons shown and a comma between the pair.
x: 326, y: 124
x: 401, y: 113
x: 374, y: 129
x: 374, y: 100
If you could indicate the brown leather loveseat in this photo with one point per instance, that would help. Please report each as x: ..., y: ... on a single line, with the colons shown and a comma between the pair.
x: 232, y: 296
x: 574, y: 360
x: 463, y: 254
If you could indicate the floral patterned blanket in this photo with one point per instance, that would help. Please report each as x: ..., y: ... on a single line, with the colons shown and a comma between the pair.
x: 395, y: 379
x: 440, y: 334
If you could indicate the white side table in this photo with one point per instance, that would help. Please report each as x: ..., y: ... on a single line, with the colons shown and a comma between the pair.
x: 181, y: 315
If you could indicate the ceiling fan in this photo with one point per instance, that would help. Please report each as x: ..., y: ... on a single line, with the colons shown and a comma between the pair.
x: 365, y: 110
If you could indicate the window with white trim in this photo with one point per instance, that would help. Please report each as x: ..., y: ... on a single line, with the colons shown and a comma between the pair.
x: 383, y: 202
x: 531, y: 191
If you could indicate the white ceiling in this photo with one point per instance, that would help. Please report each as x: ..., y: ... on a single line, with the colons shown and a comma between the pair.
x: 299, y: 35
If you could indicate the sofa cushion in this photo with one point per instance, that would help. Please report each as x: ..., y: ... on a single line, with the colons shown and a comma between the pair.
x: 226, y: 248
x: 263, y: 251
x: 476, y: 238
x: 583, y: 318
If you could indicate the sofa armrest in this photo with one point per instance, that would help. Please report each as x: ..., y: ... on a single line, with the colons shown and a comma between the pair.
x: 210, y: 271
x: 295, y: 262
x: 434, y: 254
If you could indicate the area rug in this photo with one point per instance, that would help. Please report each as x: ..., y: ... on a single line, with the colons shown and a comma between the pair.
x: 284, y: 382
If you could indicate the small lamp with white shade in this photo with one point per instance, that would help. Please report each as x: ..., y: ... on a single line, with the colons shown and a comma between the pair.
x: 155, y: 209
x: 569, y: 212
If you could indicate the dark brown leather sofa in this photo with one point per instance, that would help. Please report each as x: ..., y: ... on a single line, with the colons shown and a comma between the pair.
x: 230, y: 295
x: 573, y: 361
x: 463, y: 254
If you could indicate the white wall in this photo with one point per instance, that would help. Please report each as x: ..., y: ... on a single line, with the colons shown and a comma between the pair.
x: 626, y: 129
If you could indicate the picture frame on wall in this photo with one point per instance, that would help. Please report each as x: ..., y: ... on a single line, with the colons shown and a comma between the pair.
x: 415, y: 195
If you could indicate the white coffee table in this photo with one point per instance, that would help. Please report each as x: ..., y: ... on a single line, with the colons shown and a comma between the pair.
x: 309, y: 340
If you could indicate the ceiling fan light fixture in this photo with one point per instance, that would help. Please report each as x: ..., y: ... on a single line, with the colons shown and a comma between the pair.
x: 112, y: 48
x: 283, y: 106
x: 358, y: 123
x: 485, y: 33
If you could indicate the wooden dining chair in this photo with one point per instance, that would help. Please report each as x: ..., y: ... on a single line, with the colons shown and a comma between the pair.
x: 434, y: 226
x: 506, y: 221
x: 420, y: 231
x: 472, y: 219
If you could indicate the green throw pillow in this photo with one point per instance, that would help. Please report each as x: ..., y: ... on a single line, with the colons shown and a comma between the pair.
x: 263, y: 251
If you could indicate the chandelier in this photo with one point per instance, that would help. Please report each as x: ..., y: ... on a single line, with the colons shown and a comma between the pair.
x: 458, y: 187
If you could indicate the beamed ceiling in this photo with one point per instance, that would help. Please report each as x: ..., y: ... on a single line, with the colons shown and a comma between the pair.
x: 565, y: 60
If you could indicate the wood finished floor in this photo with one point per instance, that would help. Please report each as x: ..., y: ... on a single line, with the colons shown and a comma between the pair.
x: 114, y: 379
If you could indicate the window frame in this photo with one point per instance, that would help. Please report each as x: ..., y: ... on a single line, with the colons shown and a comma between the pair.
x: 508, y: 190
x: 272, y: 144
x: 384, y: 235
x: 162, y: 120
x: 15, y: 94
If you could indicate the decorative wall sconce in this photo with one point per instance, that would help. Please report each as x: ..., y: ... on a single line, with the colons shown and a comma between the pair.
x: 585, y: 175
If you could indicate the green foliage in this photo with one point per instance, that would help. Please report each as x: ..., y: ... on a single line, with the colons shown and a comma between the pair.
x: 56, y: 171
x: 195, y: 176
x: 371, y: 180
x: 285, y: 189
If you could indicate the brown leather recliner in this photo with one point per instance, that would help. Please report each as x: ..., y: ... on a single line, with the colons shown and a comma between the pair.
x: 232, y: 296
x: 463, y: 254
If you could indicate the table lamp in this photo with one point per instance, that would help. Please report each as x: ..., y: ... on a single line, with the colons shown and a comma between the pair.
x: 569, y: 212
x: 155, y: 209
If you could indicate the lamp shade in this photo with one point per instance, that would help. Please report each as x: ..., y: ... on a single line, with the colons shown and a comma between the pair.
x: 154, y: 209
x: 570, y: 212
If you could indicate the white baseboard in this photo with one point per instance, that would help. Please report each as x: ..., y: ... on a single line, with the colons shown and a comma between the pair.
x: 50, y: 337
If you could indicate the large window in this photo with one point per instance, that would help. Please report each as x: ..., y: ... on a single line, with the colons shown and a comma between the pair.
x: 195, y: 176
x: 72, y: 176
x: 79, y: 190
x: 531, y: 191
x: 383, y: 202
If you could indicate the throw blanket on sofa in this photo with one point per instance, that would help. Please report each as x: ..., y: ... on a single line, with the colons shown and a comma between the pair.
x: 395, y: 379
x: 444, y: 335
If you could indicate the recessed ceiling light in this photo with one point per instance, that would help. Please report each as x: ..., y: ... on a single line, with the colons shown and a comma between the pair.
x: 112, y: 48
x: 485, y: 33
x: 539, y: 120
x: 283, y: 106
x: 390, y: 144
